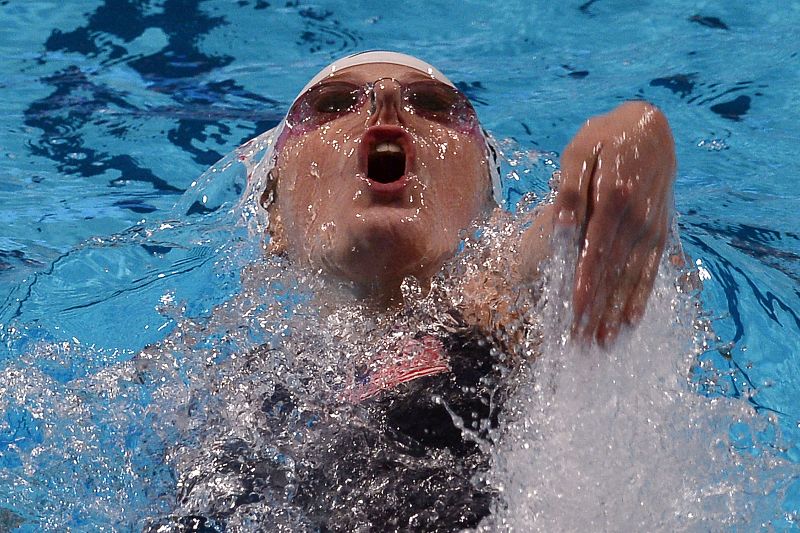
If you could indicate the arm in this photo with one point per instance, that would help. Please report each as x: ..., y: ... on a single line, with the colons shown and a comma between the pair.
x: 615, y: 191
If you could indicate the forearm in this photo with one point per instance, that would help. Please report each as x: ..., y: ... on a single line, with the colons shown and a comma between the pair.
x: 535, y: 245
x: 490, y: 297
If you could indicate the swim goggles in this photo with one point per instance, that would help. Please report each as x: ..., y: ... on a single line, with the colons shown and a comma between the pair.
x: 430, y: 99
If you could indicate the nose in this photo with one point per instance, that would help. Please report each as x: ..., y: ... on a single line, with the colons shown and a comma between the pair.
x: 386, y: 103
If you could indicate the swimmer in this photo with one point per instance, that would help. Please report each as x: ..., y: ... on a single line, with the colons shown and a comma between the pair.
x: 373, y: 176
x: 381, y: 163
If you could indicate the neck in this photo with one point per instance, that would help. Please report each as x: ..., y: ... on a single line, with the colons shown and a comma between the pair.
x: 386, y: 294
x: 380, y: 295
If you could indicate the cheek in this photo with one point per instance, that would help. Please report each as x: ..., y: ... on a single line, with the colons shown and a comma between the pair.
x: 315, y: 174
x: 326, y: 151
x: 457, y: 166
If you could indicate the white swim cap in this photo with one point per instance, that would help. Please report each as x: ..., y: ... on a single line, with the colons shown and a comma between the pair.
x: 377, y: 56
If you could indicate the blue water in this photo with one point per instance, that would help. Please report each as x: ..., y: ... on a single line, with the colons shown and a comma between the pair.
x: 112, y: 110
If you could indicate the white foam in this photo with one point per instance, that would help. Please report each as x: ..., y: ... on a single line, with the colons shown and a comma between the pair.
x: 620, y: 440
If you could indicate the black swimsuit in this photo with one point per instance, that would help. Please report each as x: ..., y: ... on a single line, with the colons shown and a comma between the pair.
x: 408, y: 467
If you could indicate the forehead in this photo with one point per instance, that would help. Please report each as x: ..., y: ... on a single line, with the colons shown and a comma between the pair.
x: 374, y: 71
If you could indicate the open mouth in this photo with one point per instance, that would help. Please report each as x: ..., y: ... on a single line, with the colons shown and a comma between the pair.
x: 387, y: 158
x: 386, y: 162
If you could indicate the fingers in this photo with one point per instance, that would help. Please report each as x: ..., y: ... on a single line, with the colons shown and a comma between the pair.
x: 615, y: 189
x: 632, y: 289
x: 609, y: 305
x: 601, y: 249
x: 637, y: 302
x: 616, y: 221
x: 578, y: 166
x: 613, y: 314
x: 616, y: 264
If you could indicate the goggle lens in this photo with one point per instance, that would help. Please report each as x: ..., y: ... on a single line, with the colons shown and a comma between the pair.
x: 429, y: 99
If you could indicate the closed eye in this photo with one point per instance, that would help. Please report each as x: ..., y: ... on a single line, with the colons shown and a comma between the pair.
x: 334, y: 98
x: 431, y: 97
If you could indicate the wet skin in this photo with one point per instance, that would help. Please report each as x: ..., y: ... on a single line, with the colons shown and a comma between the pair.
x: 374, y: 234
x: 616, y: 184
x: 615, y: 193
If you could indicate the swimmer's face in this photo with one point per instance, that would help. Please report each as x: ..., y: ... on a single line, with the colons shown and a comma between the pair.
x: 373, y: 186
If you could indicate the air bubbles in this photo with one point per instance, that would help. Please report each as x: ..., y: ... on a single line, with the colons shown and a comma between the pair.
x: 713, y: 145
x: 527, y: 203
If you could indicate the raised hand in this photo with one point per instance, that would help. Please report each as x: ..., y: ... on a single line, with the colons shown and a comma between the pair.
x: 615, y: 189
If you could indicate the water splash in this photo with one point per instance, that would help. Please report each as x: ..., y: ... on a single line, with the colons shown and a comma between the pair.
x: 239, y: 416
x: 623, y: 439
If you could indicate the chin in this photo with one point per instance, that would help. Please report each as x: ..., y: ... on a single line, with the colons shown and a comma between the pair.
x: 384, y: 245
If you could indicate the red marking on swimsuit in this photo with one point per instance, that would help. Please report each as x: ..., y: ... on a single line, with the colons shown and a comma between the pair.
x: 417, y: 358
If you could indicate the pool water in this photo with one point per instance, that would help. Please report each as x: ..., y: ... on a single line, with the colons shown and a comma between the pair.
x: 115, y: 237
